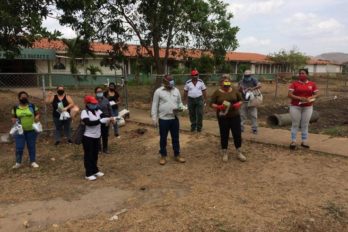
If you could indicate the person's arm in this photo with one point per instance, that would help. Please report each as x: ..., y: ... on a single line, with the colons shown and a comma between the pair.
x: 71, y: 103
x: 85, y: 119
x: 37, y: 114
x: 179, y: 100
x: 155, y: 104
x: 185, y: 96
x: 49, y: 97
x: 205, y: 95
x: 315, y: 92
x: 14, y: 117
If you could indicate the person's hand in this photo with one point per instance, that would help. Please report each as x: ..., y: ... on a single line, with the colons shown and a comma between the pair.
x: 37, y: 118
x: 155, y: 122
x: 304, y: 99
x: 112, y: 120
x: 237, y: 105
x: 220, y: 107
x: 14, y: 120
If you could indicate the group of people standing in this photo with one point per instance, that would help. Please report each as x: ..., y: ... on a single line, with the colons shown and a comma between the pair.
x: 233, y: 108
x: 101, y: 111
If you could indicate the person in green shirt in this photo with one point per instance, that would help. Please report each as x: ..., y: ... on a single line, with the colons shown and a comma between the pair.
x: 26, y: 114
x: 227, y: 101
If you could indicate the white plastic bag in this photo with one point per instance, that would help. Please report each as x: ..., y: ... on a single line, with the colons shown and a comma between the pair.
x: 64, y: 115
x: 37, y: 127
x: 256, y: 99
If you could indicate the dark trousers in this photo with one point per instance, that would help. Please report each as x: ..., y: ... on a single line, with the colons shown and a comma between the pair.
x: 28, y: 137
x: 171, y: 126
x: 90, y: 148
x: 59, y: 124
x: 196, y: 106
x: 104, y: 138
x: 230, y: 124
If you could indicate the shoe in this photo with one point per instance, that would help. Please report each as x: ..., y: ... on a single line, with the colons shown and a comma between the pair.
x: 255, y: 132
x: 57, y: 143
x: 292, y: 146
x: 99, y: 174
x: 240, y: 156
x: 305, y: 145
x: 34, y: 165
x: 179, y: 159
x: 163, y: 160
x: 16, y: 166
x: 193, y: 129
x: 91, y: 177
x: 117, y: 135
x: 70, y: 141
x: 199, y: 130
x: 106, y: 152
x: 224, y: 155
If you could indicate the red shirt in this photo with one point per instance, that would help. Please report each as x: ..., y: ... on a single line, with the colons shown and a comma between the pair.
x: 302, y: 89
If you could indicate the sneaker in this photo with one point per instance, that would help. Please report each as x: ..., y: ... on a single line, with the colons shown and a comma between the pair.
x: 99, y: 174
x: 70, y: 141
x: 117, y: 136
x: 163, y: 160
x: 224, y: 155
x: 179, y: 159
x: 106, y: 152
x: 34, y: 165
x: 57, y: 143
x: 254, y: 132
x: 91, y: 177
x: 292, y: 146
x: 241, y: 157
x: 16, y: 166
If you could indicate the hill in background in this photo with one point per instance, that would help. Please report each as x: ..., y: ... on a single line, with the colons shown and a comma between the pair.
x: 337, y: 57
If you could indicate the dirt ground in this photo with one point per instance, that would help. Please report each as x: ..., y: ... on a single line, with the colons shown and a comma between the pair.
x: 275, y: 190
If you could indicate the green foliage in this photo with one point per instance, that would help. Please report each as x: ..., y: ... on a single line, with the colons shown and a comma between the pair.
x: 292, y: 59
x: 205, y: 64
x: 203, y: 24
x: 21, y: 24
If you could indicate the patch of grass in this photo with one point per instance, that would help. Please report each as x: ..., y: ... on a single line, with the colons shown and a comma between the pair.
x: 336, y: 211
x: 335, y: 131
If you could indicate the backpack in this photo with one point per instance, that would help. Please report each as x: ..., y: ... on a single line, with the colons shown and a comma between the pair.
x: 31, y: 108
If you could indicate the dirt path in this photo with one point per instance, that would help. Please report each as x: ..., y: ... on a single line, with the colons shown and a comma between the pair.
x: 275, y: 190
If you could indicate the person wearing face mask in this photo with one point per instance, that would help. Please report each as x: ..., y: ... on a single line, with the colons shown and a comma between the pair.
x: 195, y: 95
x: 248, y: 83
x: 165, y: 106
x: 227, y: 101
x: 92, y: 117
x: 26, y: 114
x: 104, y: 106
x: 302, y: 94
x: 61, y: 102
x: 115, y: 99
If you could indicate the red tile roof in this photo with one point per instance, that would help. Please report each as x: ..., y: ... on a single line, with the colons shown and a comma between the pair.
x: 175, y: 53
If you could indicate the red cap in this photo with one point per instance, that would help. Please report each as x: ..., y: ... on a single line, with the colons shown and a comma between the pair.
x: 90, y: 99
x: 194, y: 72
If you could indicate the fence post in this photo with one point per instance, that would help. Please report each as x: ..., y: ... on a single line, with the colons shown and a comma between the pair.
x: 125, y: 87
x: 276, y: 90
x: 327, y: 86
x: 44, y: 98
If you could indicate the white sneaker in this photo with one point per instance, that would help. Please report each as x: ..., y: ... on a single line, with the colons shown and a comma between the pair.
x: 99, y: 174
x: 16, y: 166
x: 91, y: 177
x: 224, y: 155
x: 241, y: 157
x: 34, y: 165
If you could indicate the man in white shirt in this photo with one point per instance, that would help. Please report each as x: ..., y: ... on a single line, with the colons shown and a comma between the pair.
x: 165, y: 106
x: 195, y: 95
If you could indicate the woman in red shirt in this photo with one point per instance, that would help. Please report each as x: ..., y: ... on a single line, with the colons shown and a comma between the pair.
x: 302, y: 93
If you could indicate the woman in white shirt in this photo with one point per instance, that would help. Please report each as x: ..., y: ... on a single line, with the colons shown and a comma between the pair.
x: 92, y: 117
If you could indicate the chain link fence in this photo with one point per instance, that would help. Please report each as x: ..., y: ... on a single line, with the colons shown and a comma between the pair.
x: 37, y: 86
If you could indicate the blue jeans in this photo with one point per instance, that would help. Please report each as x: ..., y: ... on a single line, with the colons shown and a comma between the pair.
x: 28, y: 137
x: 59, y: 126
x: 172, y: 126
x: 114, y: 113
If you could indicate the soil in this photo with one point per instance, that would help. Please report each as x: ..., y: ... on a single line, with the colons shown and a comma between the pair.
x: 275, y: 190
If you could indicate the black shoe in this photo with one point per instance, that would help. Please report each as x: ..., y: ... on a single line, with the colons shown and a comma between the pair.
x: 193, y: 129
x: 57, y: 143
x: 292, y: 146
x: 106, y: 152
x: 70, y: 141
x: 305, y: 146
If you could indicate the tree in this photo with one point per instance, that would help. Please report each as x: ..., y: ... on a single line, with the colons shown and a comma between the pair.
x: 201, y: 24
x: 77, y: 48
x: 21, y: 24
x: 292, y: 59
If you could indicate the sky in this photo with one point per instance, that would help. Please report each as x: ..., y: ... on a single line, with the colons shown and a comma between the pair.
x: 267, y: 26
